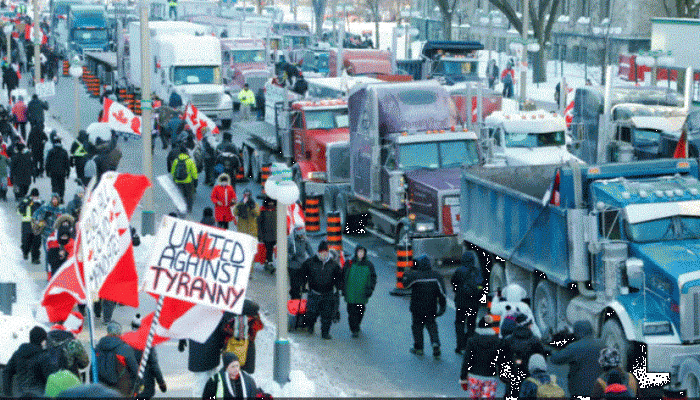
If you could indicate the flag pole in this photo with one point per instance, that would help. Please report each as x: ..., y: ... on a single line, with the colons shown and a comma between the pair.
x: 149, y: 344
x: 88, y: 293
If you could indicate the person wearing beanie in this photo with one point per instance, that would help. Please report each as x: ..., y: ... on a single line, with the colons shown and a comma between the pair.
x: 483, y: 354
x: 428, y: 301
x: 21, y: 374
x: 122, y: 375
x: 47, y: 215
x: 74, y: 206
x: 360, y: 278
x: 208, y: 217
x: 537, y: 367
x: 224, y: 198
x: 31, y: 243
x: 518, y: 348
x: 610, y: 360
x: 582, y: 356
x: 58, y: 167
x: 324, y: 278
x: 231, y: 382
x: 467, y: 284
x: 616, y: 389
x: 63, y: 352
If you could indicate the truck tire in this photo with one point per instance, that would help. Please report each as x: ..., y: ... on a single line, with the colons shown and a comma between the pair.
x: 545, y: 307
x: 614, y: 336
x: 689, y: 377
x: 225, y: 123
x: 497, y: 278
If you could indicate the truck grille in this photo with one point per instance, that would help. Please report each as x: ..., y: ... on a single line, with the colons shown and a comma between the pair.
x: 255, y: 83
x: 208, y: 100
x: 690, y: 309
x: 338, y: 162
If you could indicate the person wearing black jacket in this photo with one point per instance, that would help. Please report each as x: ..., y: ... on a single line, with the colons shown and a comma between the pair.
x: 323, y: 275
x: 31, y: 243
x: 123, y: 376
x: 519, y: 347
x: 58, y: 167
x: 10, y: 79
x: 24, y: 367
x: 35, y: 112
x: 582, y: 356
x: 428, y: 300
x: 152, y: 374
x: 21, y: 170
x: 267, y: 230
x: 483, y: 354
x: 466, y: 282
x: 80, y: 152
x: 37, y: 139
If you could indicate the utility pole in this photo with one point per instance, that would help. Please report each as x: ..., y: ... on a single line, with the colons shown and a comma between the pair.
x: 37, y: 43
x: 148, y: 215
x: 523, y: 62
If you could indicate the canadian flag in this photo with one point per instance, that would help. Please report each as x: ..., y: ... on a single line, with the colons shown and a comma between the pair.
x: 198, y: 121
x: 29, y: 34
x: 295, y: 217
x: 553, y: 194
x: 681, y: 150
x: 181, y: 319
x: 65, y: 289
x: 120, y: 118
x: 137, y: 339
x: 569, y: 110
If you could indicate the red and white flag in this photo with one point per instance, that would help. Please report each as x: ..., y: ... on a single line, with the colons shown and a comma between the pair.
x: 295, y: 217
x: 198, y: 121
x: 65, y: 289
x: 553, y: 194
x: 569, y: 110
x: 137, y: 339
x: 106, y: 237
x: 682, y: 146
x: 120, y: 118
x: 181, y: 319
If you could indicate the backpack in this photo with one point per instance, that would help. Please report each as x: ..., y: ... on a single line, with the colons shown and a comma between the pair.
x: 507, y: 79
x: 107, y: 367
x: 548, y: 390
x: 181, y: 172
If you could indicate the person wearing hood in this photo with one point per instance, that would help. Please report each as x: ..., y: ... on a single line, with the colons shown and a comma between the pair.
x: 47, y: 215
x: 4, y: 170
x: 428, y: 301
x: 80, y: 152
x: 36, y: 142
x: 482, y: 356
x: 231, y: 382
x: 21, y: 374
x: 247, y: 211
x: 21, y: 170
x: 519, y: 346
x: 616, y: 388
x: 582, y: 356
x: 73, y: 207
x: 35, y: 112
x: 63, y: 353
x: 208, y: 217
x: 610, y: 360
x: 267, y: 230
x: 19, y: 113
x: 467, y: 283
x: 360, y: 280
x: 107, y: 156
x: 298, y: 250
x: 58, y: 167
x: 61, y: 245
x: 323, y: 275
x: 224, y: 197
x: 537, y: 367
x: 31, y: 243
x: 119, y: 375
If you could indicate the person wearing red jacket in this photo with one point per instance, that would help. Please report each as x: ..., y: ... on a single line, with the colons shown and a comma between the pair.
x: 224, y: 197
x: 60, y: 245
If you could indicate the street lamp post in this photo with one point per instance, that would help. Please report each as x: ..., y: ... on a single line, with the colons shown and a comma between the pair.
x: 281, y: 188
x: 76, y: 70
x: 8, y: 32
x: 37, y: 43
x: 523, y: 61
x: 148, y: 215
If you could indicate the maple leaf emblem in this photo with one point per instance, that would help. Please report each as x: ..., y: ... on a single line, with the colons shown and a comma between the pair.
x: 120, y: 117
x: 193, y: 117
x: 136, y: 125
x: 203, y: 249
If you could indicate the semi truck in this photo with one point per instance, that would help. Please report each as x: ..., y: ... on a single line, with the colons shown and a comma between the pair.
x: 84, y: 29
x: 243, y: 63
x: 405, y: 155
x: 614, y: 244
x: 448, y: 61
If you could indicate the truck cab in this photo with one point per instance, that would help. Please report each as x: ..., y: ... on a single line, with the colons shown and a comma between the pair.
x: 527, y: 138
x: 367, y: 62
x: 450, y: 61
x: 243, y: 61
x: 87, y: 29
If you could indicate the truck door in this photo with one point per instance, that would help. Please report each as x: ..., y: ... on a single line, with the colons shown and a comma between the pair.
x: 389, y: 163
x: 299, y: 137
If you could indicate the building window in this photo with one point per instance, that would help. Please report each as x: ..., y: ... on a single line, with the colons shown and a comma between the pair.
x: 585, y: 8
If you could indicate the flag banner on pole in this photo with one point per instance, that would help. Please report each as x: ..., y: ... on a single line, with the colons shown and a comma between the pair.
x: 295, y: 217
x: 198, y: 121
x: 120, y: 118
x: 137, y: 339
x: 64, y: 290
x: 681, y: 150
x: 200, y: 264
x: 108, y: 255
x: 184, y: 320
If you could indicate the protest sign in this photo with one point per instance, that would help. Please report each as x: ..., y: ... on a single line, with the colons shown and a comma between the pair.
x: 200, y: 264
x: 45, y: 89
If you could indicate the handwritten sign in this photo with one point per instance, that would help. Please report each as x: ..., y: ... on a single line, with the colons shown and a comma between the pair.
x: 105, y: 231
x: 45, y: 89
x: 200, y: 264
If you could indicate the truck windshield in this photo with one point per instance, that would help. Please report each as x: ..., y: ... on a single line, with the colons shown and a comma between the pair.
x: 447, y: 154
x: 646, y: 137
x: 419, y: 155
x: 90, y: 35
x: 248, y: 56
x: 456, y: 67
x: 672, y: 228
x: 196, y: 75
x: 327, y: 119
x: 457, y: 152
x: 556, y: 138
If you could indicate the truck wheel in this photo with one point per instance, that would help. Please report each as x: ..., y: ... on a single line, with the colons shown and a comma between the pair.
x: 688, y: 376
x: 613, y: 336
x: 545, y: 307
x: 225, y: 123
x: 497, y: 278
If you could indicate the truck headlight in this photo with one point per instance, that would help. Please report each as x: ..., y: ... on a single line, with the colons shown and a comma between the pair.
x: 316, y: 176
x: 424, y: 226
x: 657, y: 328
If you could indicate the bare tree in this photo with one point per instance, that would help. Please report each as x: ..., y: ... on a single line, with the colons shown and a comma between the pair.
x: 447, y: 9
x: 319, y: 7
x: 543, y: 14
x: 373, y: 6
x: 682, y: 8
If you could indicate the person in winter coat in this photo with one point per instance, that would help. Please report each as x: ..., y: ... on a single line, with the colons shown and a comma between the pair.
x: 19, y: 113
x: 63, y: 352
x: 47, y: 214
x: 74, y: 206
x: 267, y: 230
x: 508, y: 79
x: 466, y: 282
x: 107, y: 155
x: 204, y: 358
x: 246, y: 325
x: 31, y: 243
x: 492, y: 72
x: 35, y: 112
x: 60, y: 246
x: 123, y: 376
x: 208, y: 217
x: 360, y: 280
x: 298, y: 250
x: 518, y: 348
x: 483, y: 354
x: 610, y: 360
x: 36, y: 142
x: 616, y: 388
x: 21, y: 171
x: 175, y: 100
x: 323, y: 275
x: 247, y: 212
x: 537, y: 367
x: 4, y: 173
x: 59, y: 382
x: 512, y: 303
x: 80, y: 154
x: 58, y: 167
x: 582, y: 356
x: 21, y: 374
x: 209, y: 154
x: 428, y: 300
x: 152, y: 374
x: 188, y: 184
x: 10, y: 79
x: 224, y: 197
x: 231, y: 382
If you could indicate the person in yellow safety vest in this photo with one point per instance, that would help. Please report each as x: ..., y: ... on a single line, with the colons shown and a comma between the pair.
x: 173, y: 9
x: 31, y: 243
x: 247, y: 99
x: 185, y: 177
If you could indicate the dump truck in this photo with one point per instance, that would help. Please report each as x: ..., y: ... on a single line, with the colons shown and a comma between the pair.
x: 448, y: 61
x: 615, y: 244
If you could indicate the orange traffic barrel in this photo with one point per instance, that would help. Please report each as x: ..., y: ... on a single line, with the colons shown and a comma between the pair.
x: 334, y: 231
x: 137, y: 106
x: 66, y: 68
x: 122, y: 94
x: 404, y: 260
x: 312, y: 218
x: 265, y: 172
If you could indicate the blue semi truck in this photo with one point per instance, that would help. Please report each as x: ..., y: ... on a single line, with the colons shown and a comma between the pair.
x: 85, y: 29
x: 615, y: 244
